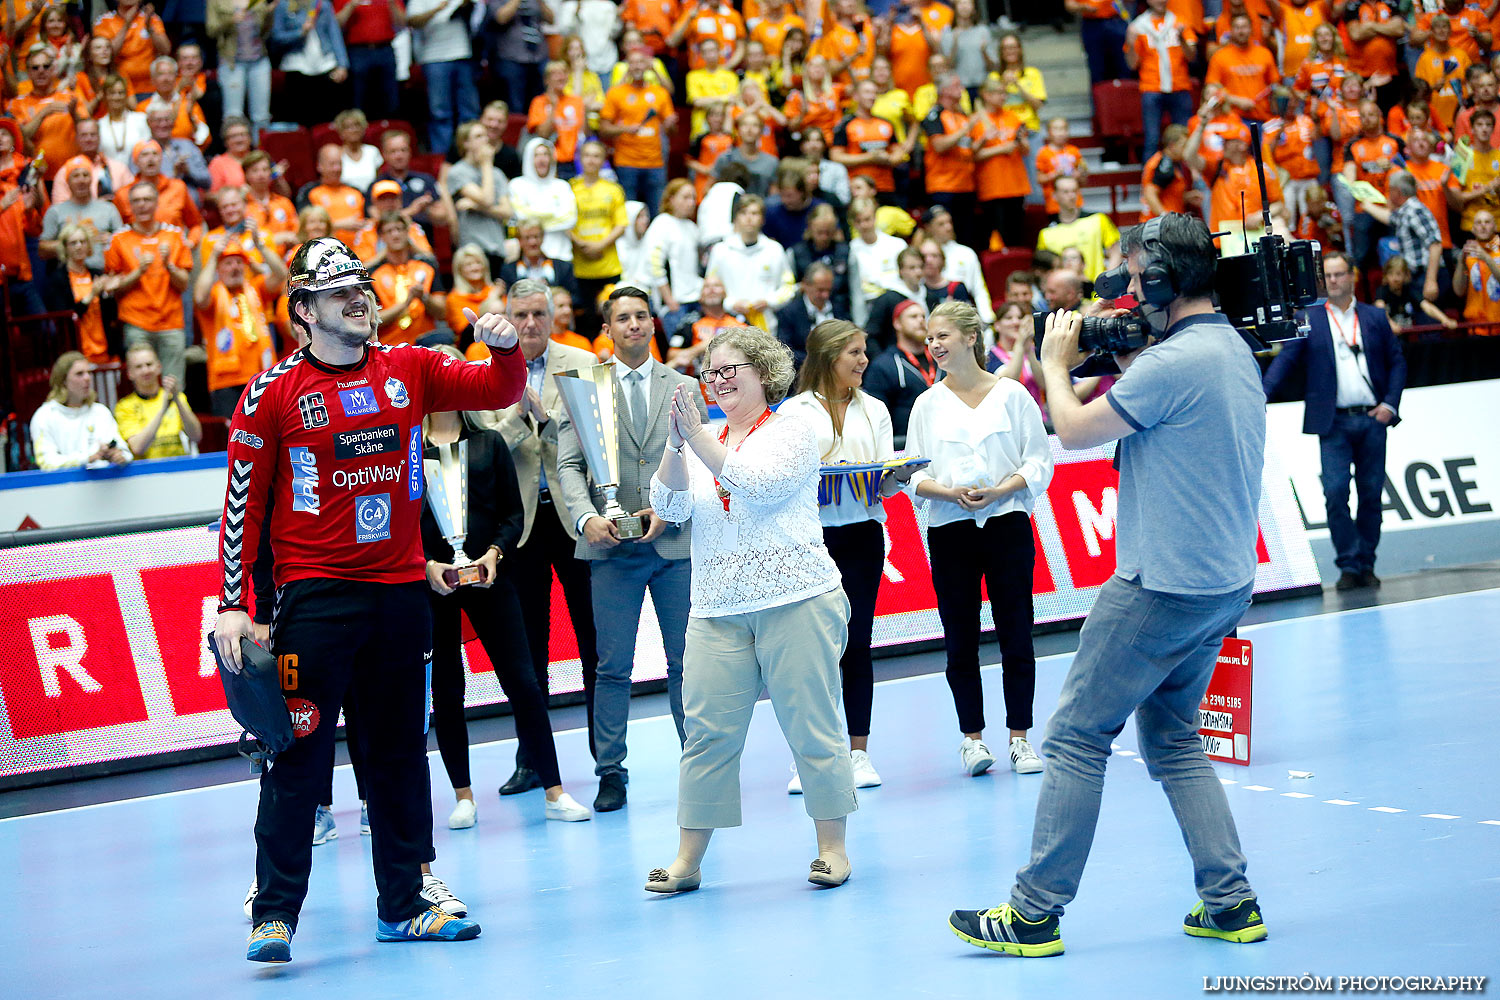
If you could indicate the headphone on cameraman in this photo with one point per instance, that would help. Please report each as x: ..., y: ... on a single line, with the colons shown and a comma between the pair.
x: 1158, y: 277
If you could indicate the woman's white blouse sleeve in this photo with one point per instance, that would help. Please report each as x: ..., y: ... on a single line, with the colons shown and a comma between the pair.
x: 672, y: 506
x: 1036, y: 448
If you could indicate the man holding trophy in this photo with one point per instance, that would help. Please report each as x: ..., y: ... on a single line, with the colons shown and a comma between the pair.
x: 607, y: 453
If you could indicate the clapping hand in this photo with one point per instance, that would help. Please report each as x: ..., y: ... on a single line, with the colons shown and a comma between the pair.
x: 531, y: 402
x: 684, y: 421
x: 169, y: 385
x: 492, y: 330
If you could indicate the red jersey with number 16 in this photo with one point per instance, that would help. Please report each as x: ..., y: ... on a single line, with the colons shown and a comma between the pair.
x: 328, y: 461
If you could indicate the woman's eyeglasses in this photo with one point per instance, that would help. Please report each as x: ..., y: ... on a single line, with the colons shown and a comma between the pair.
x: 724, y: 372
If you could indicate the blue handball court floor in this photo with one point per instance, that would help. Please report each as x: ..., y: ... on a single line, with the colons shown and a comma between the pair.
x: 1384, y: 862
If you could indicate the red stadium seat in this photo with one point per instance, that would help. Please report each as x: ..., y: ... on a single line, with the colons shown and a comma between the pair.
x: 295, y: 147
x: 382, y: 126
x: 998, y: 265
x: 1117, y: 111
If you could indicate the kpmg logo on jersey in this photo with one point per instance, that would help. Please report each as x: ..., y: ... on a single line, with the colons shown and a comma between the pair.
x: 304, y: 479
x: 369, y: 441
x: 395, y: 391
x: 372, y: 518
x: 358, y: 402
x: 247, y: 439
x: 414, y: 465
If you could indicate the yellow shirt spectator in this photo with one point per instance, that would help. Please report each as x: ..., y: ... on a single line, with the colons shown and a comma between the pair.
x: 601, y: 208
x: 133, y: 414
x: 894, y: 105
x: 1031, y: 82
x: 720, y: 84
x: 925, y: 99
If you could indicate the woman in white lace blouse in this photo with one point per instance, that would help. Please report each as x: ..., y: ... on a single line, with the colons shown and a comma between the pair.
x: 767, y: 607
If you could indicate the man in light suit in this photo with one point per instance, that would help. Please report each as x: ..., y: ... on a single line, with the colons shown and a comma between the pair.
x: 531, y: 428
x: 1355, y: 373
x: 622, y: 570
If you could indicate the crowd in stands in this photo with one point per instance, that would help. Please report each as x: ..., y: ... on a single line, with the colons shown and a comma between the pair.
x: 842, y: 159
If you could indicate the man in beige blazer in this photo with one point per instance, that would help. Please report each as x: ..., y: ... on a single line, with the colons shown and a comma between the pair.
x: 548, y: 539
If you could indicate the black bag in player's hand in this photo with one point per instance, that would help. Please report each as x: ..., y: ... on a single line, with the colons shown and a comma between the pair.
x: 255, y: 701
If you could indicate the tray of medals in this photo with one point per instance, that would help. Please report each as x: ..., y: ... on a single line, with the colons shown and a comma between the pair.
x: 861, y: 479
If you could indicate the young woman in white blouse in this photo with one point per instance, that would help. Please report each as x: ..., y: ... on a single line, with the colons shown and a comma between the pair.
x: 767, y: 608
x: 990, y: 461
x: 852, y: 426
x: 72, y: 427
x: 672, y: 252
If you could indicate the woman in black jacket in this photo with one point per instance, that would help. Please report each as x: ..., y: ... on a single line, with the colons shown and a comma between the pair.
x: 495, y: 519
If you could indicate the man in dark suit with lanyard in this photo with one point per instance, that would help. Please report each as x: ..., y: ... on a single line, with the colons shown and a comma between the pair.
x: 1355, y: 373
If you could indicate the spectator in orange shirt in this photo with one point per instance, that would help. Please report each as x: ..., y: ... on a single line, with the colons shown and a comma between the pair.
x: 1437, y: 188
x: 138, y: 36
x: 1300, y: 20
x: 867, y: 145
x: 557, y: 116
x: 403, y: 286
x: 1246, y: 70
x: 178, y: 98
x: 48, y: 113
x: 1484, y: 90
x: 771, y: 28
x: 20, y: 217
x: 1218, y: 123
x: 151, y: 264
x: 1371, y: 44
x: 1166, y: 181
x: 653, y: 19
x: 1058, y: 158
x: 79, y: 286
x: 1322, y: 70
x: 1159, y: 48
x: 817, y: 102
x: 848, y: 43
x: 174, y: 205
x: 1442, y: 66
x: 949, y: 164
x: 1288, y: 149
x: 236, y: 227
x: 1230, y: 179
x: 1477, y: 282
x: 907, y: 37
x: 270, y: 211
x: 232, y: 312
x: 1369, y: 157
x: 1001, y: 184
x: 345, y: 205
x: 704, y: 152
x: 1469, y: 29
x: 636, y: 115
x: 714, y: 19
x: 472, y: 287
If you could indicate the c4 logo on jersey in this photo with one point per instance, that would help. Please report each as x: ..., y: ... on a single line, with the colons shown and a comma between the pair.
x: 372, y: 518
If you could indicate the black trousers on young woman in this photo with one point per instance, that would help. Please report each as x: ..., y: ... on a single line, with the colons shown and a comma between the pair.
x: 495, y: 613
x: 1002, y: 554
x: 858, y: 550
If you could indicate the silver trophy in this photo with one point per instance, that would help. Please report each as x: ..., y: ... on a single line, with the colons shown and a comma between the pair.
x: 448, y: 494
x: 589, y: 395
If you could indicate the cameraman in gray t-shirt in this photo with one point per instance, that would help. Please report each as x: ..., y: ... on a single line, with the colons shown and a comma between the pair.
x: 1189, y: 414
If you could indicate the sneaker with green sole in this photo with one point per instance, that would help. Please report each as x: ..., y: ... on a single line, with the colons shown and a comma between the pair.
x: 1241, y: 923
x: 1004, y: 929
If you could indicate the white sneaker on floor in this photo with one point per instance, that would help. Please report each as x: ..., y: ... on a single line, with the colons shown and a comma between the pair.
x: 464, y: 815
x: 865, y: 775
x: 324, y: 828
x: 250, y: 897
x: 568, y: 810
x: 436, y: 892
x: 794, y: 787
x: 1023, y: 759
x: 976, y: 756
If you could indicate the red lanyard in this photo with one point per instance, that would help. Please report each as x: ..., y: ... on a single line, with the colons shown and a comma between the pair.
x: 724, y: 439
x: 928, y: 376
x: 1353, y: 344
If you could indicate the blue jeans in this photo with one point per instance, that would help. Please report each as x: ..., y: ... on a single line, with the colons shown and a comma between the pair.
x: 451, y: 98
x: 1178, y: 105
x: 523, y: 81
x: 1104, y: 45
x: 1356, y: 442
x: 619, y: 589
x: 372, y: 70
x: 250, y: 80
x: 643, y: 184
x: 1150, y: 653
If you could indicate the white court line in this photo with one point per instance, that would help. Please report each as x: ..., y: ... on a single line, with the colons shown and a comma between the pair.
x: 1440, y: 816
x: 1295, y: 795
x: 1259, y: 788
x: 1339, y: 802
x: 893, y: 681
x: 1386, y: 809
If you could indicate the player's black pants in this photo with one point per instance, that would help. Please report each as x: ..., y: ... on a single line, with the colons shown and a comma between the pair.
x: 372, y: 641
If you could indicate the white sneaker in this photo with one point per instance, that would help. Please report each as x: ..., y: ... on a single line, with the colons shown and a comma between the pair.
x: 464, y: 815
x: 794, y: 787
x: 865, y: 775
x: 436, y: 891
x: 1023, y: 759
x: 568, y: 810
x: 250, y: 897
x: 976, y: 756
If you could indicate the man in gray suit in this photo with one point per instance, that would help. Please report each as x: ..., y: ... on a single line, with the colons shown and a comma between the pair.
x: 622, y: 571
x: 531, y: 427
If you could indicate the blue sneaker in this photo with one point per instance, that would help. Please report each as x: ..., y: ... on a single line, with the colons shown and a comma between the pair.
x: 323, y: 828
x: 270, y: 942
x: 364, y: 819
x: 432, y: 924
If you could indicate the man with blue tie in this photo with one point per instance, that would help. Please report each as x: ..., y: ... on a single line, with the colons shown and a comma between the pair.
x: 623, y: 570
x: 1355, y: 374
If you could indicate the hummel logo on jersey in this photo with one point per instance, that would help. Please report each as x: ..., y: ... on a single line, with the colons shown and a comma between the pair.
x: 304, y: 479
x: 359, y: 401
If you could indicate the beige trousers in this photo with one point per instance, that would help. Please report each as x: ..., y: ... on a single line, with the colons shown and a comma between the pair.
x: 793, y: 651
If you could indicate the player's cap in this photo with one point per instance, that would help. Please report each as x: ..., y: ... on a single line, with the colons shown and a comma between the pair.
x: 382, y: 188
x: 324, y: 264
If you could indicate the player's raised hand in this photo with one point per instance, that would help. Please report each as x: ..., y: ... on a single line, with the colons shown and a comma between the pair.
x: 492, y: 330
